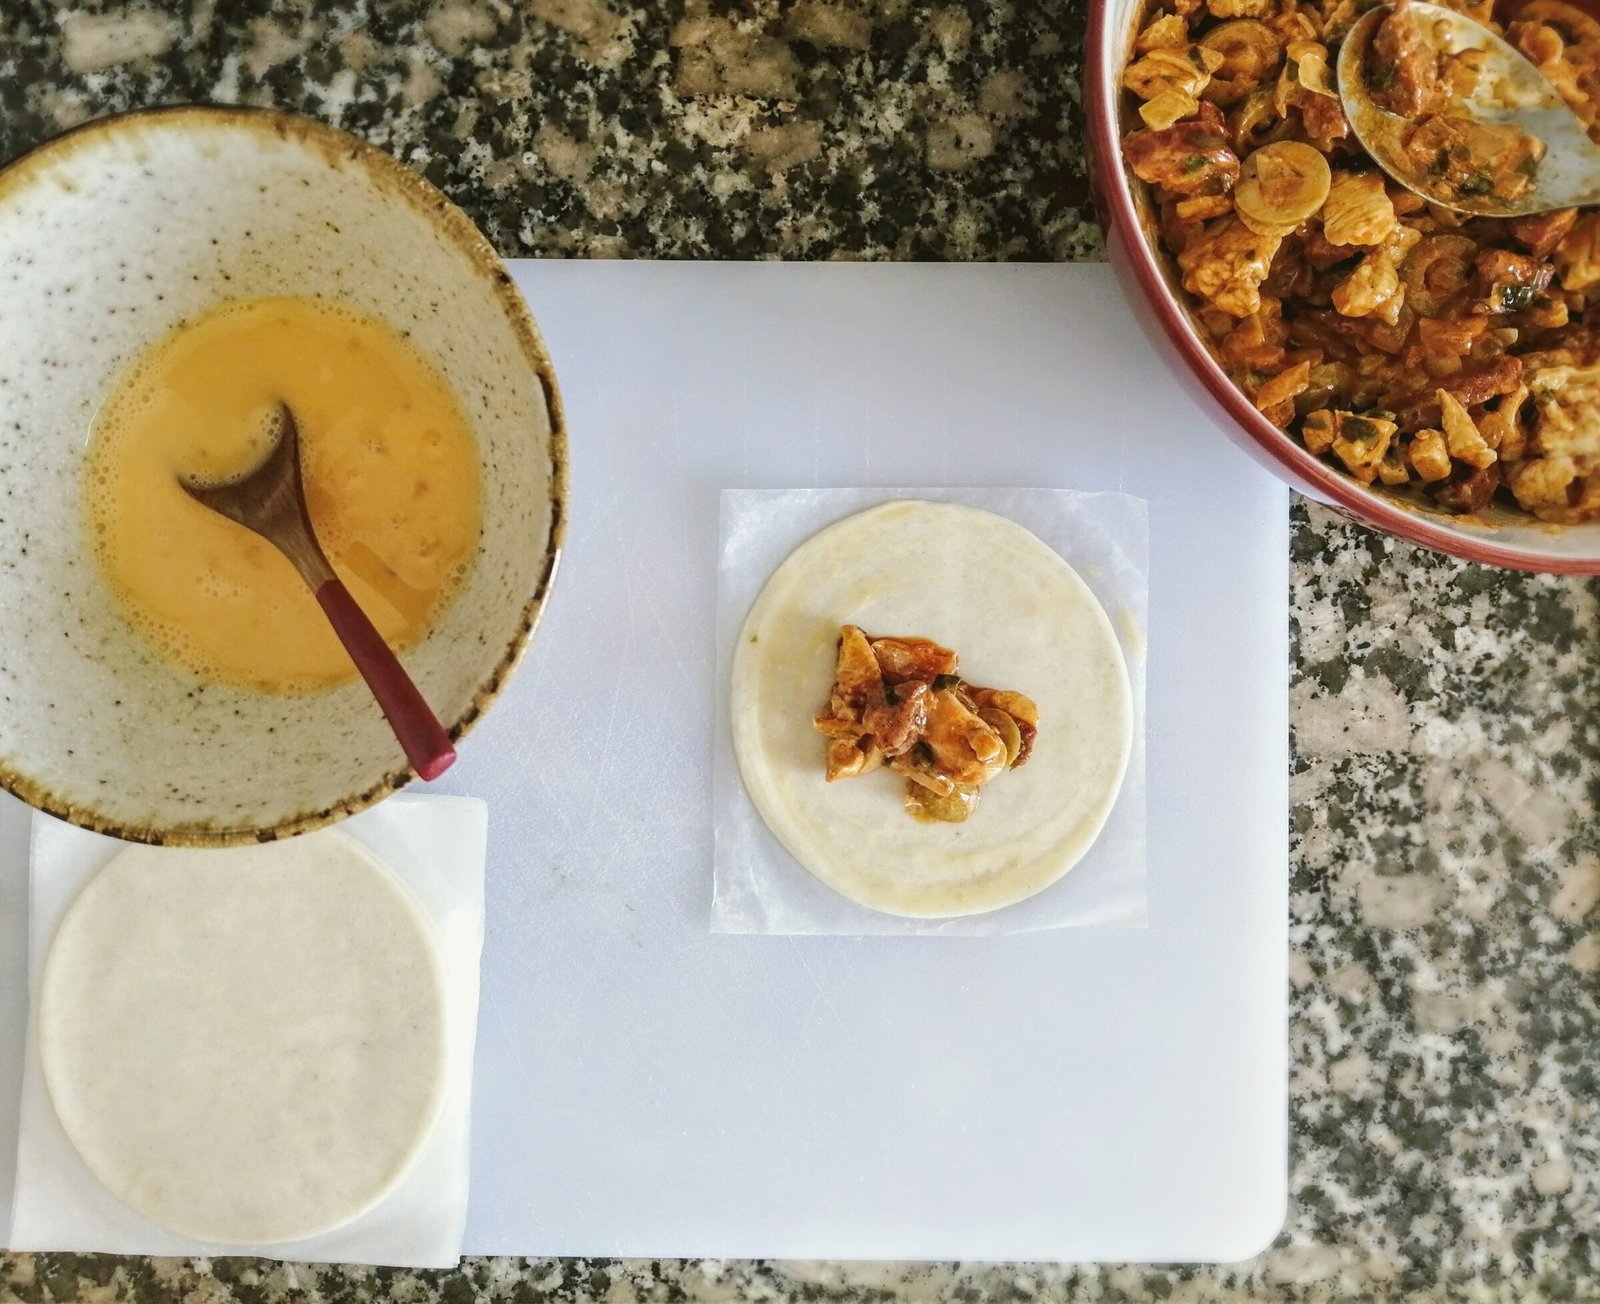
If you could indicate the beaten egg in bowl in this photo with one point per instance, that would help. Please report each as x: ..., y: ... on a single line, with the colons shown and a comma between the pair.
x: 391, y: 481
x: 132, y: 240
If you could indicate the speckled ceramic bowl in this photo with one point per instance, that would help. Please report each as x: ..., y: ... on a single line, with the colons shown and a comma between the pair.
x: 110, y: 236
x: 1498, y: 537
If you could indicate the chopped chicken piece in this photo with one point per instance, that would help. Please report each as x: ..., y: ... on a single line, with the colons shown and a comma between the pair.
x: 898, y: 702
x: 1228, y: 264
x: 1403, y: 67
x: 1190, y: 158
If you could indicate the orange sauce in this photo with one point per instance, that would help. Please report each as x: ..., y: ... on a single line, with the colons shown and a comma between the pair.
x: 391, y: 475
x: 1508, y: 11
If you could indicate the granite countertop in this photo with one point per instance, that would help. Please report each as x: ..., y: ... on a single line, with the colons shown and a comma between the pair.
x: 1445, y: 1034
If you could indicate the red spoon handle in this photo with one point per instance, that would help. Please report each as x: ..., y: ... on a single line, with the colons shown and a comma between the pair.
x: 426, y: 744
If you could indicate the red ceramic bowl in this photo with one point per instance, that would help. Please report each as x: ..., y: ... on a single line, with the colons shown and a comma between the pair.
x: 1500, y: 538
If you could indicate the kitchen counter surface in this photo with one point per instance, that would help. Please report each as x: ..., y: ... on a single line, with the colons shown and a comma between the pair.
x: 1445, y: 1033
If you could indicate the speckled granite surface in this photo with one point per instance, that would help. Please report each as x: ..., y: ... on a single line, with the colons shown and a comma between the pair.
x: 1446, y: 850
x: 694, y: 128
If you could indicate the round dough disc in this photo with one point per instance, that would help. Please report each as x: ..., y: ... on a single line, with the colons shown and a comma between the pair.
x: 1019, y: 618
x: 245, y: 1046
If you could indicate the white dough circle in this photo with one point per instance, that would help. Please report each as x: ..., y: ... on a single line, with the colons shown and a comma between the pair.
x: 247, y: 1045
x: 1019, y: 618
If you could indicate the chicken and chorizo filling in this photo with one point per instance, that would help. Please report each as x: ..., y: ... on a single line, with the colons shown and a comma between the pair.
x: 1413, y: 345
x: 901, y: 703
x: 1434, y: 138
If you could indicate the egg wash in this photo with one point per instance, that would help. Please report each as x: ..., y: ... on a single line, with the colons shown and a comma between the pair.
x: 391, y: 474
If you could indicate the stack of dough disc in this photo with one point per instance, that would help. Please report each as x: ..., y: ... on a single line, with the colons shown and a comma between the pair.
x: 245, y: 1046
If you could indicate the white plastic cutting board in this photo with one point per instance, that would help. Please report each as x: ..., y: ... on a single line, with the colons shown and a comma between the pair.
x: 646, y: 1088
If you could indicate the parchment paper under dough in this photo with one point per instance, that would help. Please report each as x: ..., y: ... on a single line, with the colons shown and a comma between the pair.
x: 245, y: 1046
x: 1020, y: 618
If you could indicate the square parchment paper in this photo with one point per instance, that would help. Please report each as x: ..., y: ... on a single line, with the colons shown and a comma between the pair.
x: 759, y: 886
x: 436, y: 846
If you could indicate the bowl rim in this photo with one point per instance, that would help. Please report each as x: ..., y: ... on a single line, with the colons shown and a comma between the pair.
x: 432, y: 204
x: 1107, y: 48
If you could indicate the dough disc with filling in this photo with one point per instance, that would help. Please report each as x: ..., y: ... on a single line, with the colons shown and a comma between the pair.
x: 1019, y: 618
x: 245, y: 1046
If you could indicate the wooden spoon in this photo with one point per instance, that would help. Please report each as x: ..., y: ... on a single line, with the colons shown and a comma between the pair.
x: 271, y: 502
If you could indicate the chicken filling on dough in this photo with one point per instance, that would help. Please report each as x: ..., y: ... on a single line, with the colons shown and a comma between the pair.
x: 900, y: 703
